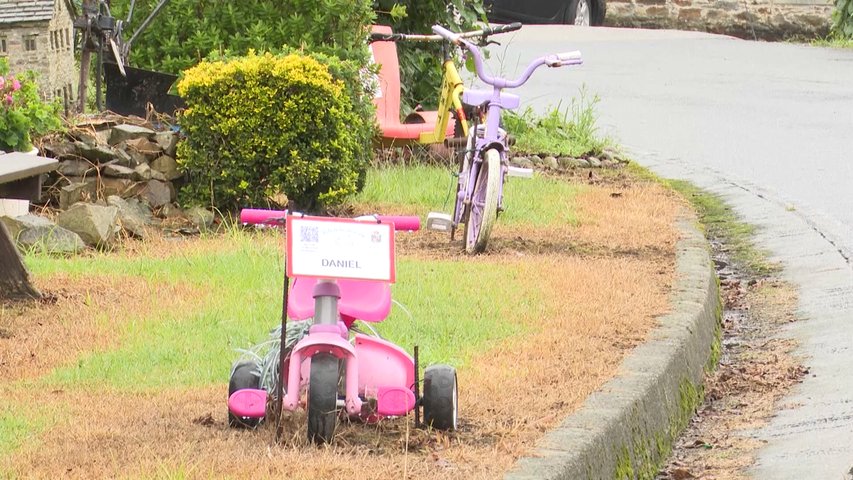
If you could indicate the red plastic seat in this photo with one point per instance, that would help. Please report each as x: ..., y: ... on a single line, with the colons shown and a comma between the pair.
x: 395, y: 132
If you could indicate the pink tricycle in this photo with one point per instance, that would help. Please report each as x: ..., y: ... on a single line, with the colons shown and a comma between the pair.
x: 342, y: 270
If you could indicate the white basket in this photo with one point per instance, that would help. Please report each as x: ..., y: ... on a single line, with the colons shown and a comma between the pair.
x: 10, y: 207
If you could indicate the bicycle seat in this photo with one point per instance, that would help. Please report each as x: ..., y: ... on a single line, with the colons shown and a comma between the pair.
x: 387, y: 99
x: 365, y: 300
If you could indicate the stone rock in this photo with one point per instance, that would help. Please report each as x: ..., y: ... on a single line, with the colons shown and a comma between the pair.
x: 550, y: 162
x: 566, y: 162
x: 594, y: 162
x: 133, y: 216
x: 103, y: 135
x: 606, y: 156
x: 96, y: 153
x: 123, y: 187
x: 74, y: 168
x: 88, y: 137
x: 157, y: 193
x: 77, y: 191
x: 536, y: 159
x: 167, y: 166
x: 34, y: 232
x: 123, y: 158
x: 60, y: 149
x: 200, y: 217
x: 608, y: 163
x: 167, y: 141
x: 121, y: 133
x: 172, y: 212
x: 96, y: 225
x: 117, y: 171
x: 522, y: 162
x: 142, y: 173
x: 144, y: 146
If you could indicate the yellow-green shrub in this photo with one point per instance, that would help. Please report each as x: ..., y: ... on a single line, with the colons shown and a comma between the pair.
x: 261, y: 125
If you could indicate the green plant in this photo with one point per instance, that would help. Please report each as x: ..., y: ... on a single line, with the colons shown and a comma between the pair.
x: 187, y: 31
x: 23, y: 114
x: 262, y: 125
x: 572, y: 132
x: 843, y: 19
x: 420, y: 64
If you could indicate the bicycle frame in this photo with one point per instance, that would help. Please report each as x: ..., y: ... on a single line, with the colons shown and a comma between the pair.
x: 449, y: 100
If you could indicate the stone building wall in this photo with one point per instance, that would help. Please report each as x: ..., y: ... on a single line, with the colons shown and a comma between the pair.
x: 752, y: 19
x: 53, y: 57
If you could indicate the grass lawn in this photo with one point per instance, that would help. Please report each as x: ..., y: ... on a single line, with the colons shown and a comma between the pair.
x: 141, y: 339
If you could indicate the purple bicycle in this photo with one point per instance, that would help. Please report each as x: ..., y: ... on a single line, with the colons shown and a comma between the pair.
x: 484, y: 166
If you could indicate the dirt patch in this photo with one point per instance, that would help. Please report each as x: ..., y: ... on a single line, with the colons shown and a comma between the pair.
x: 597, y: 305
x: 756, y: 370
x: 76, y: 315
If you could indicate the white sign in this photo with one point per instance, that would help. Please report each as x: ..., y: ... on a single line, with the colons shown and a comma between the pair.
x: 340, y: 248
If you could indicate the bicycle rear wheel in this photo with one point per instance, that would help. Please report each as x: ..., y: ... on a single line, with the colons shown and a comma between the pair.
x: 484, y: 203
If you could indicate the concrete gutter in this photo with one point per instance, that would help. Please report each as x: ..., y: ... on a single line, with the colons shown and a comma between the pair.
x: 626, y: 428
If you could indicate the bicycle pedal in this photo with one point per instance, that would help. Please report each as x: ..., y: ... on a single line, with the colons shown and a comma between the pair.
x: 440, y: 222
x: 520, y: 172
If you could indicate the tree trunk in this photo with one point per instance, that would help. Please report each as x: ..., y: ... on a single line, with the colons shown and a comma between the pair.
x: 14, y: 279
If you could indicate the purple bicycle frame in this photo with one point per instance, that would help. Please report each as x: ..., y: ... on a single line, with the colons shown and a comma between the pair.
x: 491, y: 137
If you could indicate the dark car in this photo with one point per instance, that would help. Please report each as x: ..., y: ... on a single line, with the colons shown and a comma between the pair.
x: 571, y: 12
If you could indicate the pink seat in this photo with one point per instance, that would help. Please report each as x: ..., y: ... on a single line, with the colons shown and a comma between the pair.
x: 365, y: 300
x: 387, y: 102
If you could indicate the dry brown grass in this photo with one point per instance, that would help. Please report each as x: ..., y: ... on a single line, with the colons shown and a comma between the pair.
x: 77, y: 315
x: 598, y: 305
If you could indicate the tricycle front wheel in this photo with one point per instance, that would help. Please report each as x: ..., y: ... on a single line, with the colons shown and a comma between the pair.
x: 323, y: 398
x: 245, y: 375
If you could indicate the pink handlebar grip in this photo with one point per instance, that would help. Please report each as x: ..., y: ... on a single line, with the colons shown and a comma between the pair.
x: 410, y: 223
x: 257, y: 216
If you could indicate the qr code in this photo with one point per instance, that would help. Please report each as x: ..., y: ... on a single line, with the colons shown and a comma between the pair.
x: 309, y: 234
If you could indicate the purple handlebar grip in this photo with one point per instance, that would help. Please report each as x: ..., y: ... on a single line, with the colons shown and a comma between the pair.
x: 257, y: 216
x: 410, y: 223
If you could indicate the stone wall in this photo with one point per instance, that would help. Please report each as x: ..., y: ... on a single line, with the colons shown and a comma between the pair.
x: 751, y: 19
x: 53, y: 57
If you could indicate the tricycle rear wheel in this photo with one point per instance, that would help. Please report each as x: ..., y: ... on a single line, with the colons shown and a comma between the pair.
x: 441, y: 397
x: 323, y: 398
x: 245, y: 375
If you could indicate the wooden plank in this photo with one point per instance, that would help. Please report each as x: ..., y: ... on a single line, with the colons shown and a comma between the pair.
x: 17, y: 165
x: 14, y: 279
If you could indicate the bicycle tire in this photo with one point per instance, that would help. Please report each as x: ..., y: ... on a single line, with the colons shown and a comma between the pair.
x: 323, y: 398
x: 484, y: 203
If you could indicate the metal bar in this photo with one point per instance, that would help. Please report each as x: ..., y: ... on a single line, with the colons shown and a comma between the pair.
x: 145, y: 23
x: 279, y: 402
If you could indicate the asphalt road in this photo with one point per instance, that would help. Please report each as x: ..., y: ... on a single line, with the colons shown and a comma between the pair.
x: 769, y: 126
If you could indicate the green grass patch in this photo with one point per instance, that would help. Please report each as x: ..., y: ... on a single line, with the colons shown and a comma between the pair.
x: 22, y: 423
x: 833, y: 41
x: 570, y: 132
x: 451, y: 319
x: 539, y: 201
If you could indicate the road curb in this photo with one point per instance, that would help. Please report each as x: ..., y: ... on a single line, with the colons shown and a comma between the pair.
x: 627, y: 427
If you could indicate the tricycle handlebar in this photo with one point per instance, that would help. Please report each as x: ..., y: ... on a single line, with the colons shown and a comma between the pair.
x: 256, y: 216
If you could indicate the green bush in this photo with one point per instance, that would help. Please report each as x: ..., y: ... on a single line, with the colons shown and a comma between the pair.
x: 420, y: 64
x: 843, y: 18
x: 187, y: 31
x: 23, y: 114
x: 266, y: 124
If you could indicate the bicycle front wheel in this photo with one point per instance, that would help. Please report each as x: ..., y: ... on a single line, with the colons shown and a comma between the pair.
x: 484, y: 203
